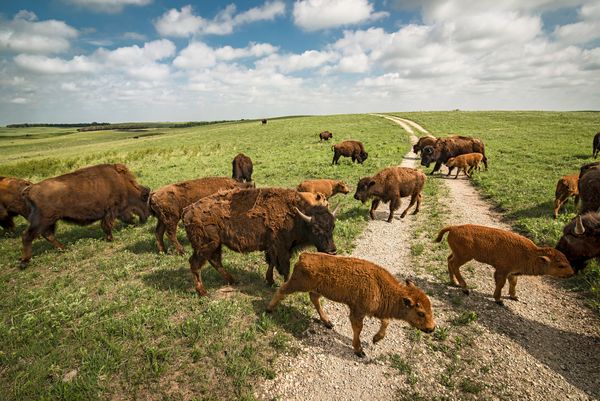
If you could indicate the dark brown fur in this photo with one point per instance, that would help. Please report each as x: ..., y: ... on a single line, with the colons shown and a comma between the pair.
x: 452, y: 146
x: 324, y: 186
x: 168, y: 202
x: 103, y: 192
x: 12, y: 202
x: 352, y: 149
x: 510, y: 254
x: 580, y: 248
x: 390, y: 185
x: 264, y: 121
x: 325, y: 136
x: 423, y: 141
x: 596, y: 145
x: 589, y: 187
x: 242, y: 168
x: 368, y: 289
x: 248, y: 220
x: 566, y: 187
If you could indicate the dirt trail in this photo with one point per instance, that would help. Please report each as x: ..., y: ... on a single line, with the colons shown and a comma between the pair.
x: 544, y: 347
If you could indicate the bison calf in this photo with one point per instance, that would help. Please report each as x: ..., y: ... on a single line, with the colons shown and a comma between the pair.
x: 368, y: 289
x: 466, y: 163
x: 389, y: 185
x: 168, y: 202
x: 352, y: 149
x: 510, y: 254
x: 242, y: 168
x: 325, y: 136
x: 324, y: 186
x: 565, y: 188
x: 12, y: 202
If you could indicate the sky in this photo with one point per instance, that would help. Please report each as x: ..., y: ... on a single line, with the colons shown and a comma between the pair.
x: 67, y: 61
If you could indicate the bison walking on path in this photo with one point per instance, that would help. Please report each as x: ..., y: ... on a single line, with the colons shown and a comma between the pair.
x: 103, y: 192
x: 273, y: 220
x: 581, y: 240
x: 242, y: 168
x: 12, y: 202
x: 368, y: 289
x: 452, y: 146
x: 352, y: 149
x: 390, y: 185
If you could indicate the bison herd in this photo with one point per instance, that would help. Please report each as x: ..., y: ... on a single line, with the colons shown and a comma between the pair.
x: 232, y: 212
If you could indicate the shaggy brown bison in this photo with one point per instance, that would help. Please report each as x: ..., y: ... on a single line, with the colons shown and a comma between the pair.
x: 352, y: 149
x: 324, y: 186
x: 565, y: 188
x: 325, y: 136
x: 465, y: 163
x: 103, y: 192
x: 368, y: 289
x: 589, y: 187
x: 389, y: 185
x: 423, y: 141
x: 596, y: 145
x: 274, y: 220
x: 581, y: 240
x: 452, y: 146
x: 510, y: 254
x: 12, y: 202
x: 168, y: 202
x: 242, y: 168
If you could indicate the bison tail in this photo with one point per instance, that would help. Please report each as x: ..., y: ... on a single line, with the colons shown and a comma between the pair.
x: 442, y: 232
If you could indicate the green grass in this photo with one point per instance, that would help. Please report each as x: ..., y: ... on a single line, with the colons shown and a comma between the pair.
x: 125, y: 319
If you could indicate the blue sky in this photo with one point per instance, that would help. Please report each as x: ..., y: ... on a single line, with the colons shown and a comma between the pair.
x: 150, y: 60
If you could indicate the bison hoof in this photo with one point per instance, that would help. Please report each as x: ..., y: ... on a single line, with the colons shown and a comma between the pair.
x: 466, y: 291
x: 360, y: 354
x: 23, y: 264
x: 514, y: 297
x: 500, y: 302
x: 390, y: 219
x: 329, y: 325
x: 201, y: 292
x: 377, y: 338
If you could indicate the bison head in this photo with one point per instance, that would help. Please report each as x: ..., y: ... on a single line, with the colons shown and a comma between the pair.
x: 581, y: 240
x: 554, y: 263
x: 341, y: 188
x: 363, y: 187
x: 418, y: 308
x: 137, y: 204
x: 428, y: 155
x: 321, y: 223
x: 362, y: 157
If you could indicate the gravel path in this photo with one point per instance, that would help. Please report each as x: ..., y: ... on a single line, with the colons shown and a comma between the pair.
x: 543, y: 347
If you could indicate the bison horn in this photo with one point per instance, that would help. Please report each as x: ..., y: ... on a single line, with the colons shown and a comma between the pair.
x: 336, y: 209
x: 579, y: 229
x: 306, y: 218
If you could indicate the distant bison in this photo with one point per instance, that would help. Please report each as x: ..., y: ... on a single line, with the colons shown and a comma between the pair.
x: 168, y: 202
x: 589, y: 187
x: 273, y: 220
x: 325, y: 136
x: 12, y: 202
x: 466, y: 163
x: 242, y: 168
x: 581, y: 240
x: 324, y: 186
x: 352, y: 149
x: 452, y: 146
x: 566, y: 187
x: 264, y: 121
x: 596, y: 145
x: 389, y: 185
x: 423, y: 141
x: 103, y: 192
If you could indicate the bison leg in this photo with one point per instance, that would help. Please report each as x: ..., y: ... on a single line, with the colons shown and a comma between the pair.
x: 374, y: 205
x: 512, y: 289
x: 107, y: 225
x: 7, y: 223
x: 28, y: 236
x: 394, y: 205
x: 314, y: 298
x: 215, y: 261
x: 381, y: 333
x: 500, y: 278
x: 436, y: 167
x: 196, y: 263
x: 357, y: 324
x: 454, y: 264
x: 172, y: 234
x: 159, y: 233
x: 419, y: 198
x: 413, y: 199
x: 457, y: 172
x: 289, y: 287
x: 48, y: 233
x: 336, y: 157
x: 558, y: 202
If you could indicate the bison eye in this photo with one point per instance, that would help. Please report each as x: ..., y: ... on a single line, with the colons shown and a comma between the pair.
x: 421, y: 314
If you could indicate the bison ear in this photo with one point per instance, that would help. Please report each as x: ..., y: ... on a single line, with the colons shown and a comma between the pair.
x: 371, y: 183
x: 407, y: 302
x: 545, y: 259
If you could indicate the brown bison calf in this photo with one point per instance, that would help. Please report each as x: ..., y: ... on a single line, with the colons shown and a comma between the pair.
x: 325, y: 136
x: 324, y: 186
x: 466, y: 163
x: 368, y: 289
x: 510, y: 254
x: 12, y: 202
x: 242, y: 168
x: 423, y: 141
x: 389, y: 185
x: 565, y: 188
x: 168, y: 202
x: 352, y: 149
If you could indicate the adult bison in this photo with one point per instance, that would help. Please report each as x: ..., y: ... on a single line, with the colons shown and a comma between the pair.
x: 12, y: 202
x: 167, y: 204
x: 596, y: 145
x: 589, y: 187
x: 352, y: 149
x: 581, y: 240
x: 102, y: 192
x: 273, y: 220
x: 452, y: 146
x: 423, y: 141
x: 325, y: 136
x: 242, y: 168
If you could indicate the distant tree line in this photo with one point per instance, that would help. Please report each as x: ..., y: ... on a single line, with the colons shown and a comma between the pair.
x: 94, y: 126
x: 74, y: 125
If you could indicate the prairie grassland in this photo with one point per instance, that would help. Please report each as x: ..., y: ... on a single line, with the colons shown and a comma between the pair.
x: 116, y: 320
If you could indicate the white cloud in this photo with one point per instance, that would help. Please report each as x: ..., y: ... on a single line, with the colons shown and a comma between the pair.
x: 19, y: 100
x: 134, y: 36
x: 184, y: 23
x: 198, y: 55
x: 313, y: 15
x: 54, y: 65
x: 108, y: 6
x: 25, y: 34
x: 296, y: 62
x: 583, y: 31
x: 228, y: 53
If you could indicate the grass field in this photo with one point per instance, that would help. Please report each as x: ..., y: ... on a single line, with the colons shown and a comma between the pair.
x: 117, y: 320
x: 125, y: 320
